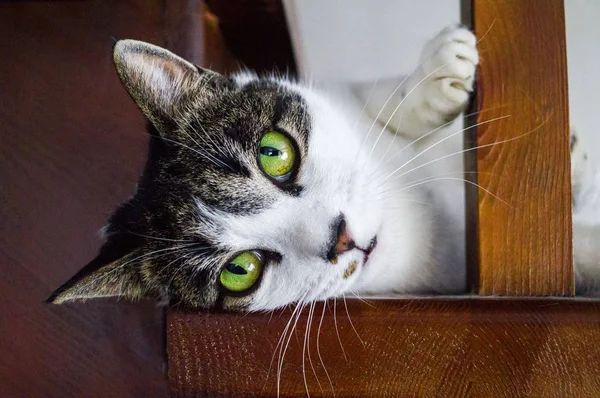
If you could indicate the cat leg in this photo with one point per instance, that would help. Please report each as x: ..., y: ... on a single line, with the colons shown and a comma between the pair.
x: 435, y: 93
x: 585, y: 179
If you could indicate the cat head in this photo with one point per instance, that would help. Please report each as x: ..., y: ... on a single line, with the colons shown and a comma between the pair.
x: 254, y: 195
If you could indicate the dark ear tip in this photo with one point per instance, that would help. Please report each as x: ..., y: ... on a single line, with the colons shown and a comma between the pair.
x: 54, y: 298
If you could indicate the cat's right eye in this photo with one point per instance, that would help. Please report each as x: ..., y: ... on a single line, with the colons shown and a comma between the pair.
x: 242, y: 272
x: 276, y: 155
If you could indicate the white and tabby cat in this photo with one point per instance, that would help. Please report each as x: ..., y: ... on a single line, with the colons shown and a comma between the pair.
x: 261, y: 192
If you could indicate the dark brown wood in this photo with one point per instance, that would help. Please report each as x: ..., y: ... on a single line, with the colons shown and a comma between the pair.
x: 478, y: 348
x: 72, y: 145
x: 256, y: 33
x: 217, y: 55
x: 525, y: 246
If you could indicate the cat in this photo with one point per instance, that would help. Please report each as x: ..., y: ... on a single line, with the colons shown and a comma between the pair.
x: 260, y: 192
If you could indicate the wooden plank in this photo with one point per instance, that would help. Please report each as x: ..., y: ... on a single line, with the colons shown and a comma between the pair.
x: 525, y: 247
x: 479, y: 348
x: 73, y: 145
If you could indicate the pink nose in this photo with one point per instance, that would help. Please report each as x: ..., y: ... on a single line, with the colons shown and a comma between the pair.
x: 343, y: 242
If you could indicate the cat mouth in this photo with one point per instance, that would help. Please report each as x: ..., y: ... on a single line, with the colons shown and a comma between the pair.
x: 367, y: 252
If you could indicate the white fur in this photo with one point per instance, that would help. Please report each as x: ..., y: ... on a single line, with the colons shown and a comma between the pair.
x: 371, y: 150
x: 352, y: 153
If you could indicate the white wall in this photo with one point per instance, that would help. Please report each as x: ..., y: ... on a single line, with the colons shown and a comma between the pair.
x: 583, y: 59
x: 355, y: 40
x: 364, y: 40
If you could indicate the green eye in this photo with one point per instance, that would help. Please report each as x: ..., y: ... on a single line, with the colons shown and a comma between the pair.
x: 241, y: 273
x: 276, y: 154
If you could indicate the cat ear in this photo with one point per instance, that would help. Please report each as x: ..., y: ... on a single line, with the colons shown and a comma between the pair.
x: 155, y: 78
x: 115, y: 272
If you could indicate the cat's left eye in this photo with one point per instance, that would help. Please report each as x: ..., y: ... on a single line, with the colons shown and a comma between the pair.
x: 276, y: 155
x: 242, y: 272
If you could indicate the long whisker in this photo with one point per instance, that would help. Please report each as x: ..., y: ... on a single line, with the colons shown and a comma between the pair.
x: 197, y: 269
x: 457, y: 179
x: 439, y: 128
x: 308, y: 347
x: 304, y: 355
x: 352, y: 324
x: 205, y: 155
x: 362, y: 111
x: 166, y: 268
x: 440, y: 141
x: 381, y: 110
x: 362, y: 299
x: 395, y: 189
x: 280, y: 341
x: 287, y: 343
x: 157, y: 238
x: 400, y: 104
x: 169, y: 249
x: 389, y: 146
x: 319, y: 350
x: 336, y: 328
x: 471, y: 149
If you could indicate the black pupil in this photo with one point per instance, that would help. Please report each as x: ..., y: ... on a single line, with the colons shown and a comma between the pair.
x: 269, y: 151
x: 236, y: 269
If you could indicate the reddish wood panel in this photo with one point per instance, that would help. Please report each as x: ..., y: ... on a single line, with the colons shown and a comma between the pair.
x: 256, y: 33
x: 72, y: 145
x: 478, y: 348
x: 525, y: 246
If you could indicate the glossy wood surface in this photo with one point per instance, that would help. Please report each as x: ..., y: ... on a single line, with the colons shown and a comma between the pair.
x: 524, y: 208
x: 393, y: 348
x: 72, y: 145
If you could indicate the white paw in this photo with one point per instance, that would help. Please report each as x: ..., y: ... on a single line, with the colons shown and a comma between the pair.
x: 448, y: 64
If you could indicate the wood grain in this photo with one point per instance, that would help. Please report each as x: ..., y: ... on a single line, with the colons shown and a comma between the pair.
x: 425, y: 348
x: 525, y: 245
x: 72, y: 146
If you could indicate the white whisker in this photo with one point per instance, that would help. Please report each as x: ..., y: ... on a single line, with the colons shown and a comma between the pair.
x: 159, y: 238
x: 381, y: 110
x: 306, y: 348
x: 356, y: 295
x: 471, y: 149
x: 362, y: 111
x: 169, y: 249
x: 352, y: 324
x: 437, y: 129
x: 456, y: 179
x: 287, y: 343
x: 395, y: 189
x: 400, y: 104
x: 319, y: 350
x: 336, y: 328
x: 439, y: 142
x: 280, y: 342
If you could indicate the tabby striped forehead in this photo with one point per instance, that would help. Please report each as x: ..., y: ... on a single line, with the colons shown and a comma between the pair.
x: 225, y: 131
